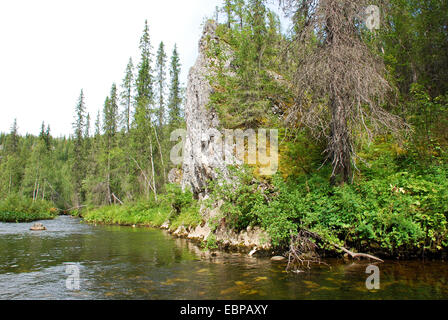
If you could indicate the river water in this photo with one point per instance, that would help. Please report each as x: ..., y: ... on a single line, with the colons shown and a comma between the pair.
x: 139, y: 263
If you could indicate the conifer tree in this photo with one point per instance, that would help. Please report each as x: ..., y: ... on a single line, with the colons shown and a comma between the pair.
x: 143, y: 133
x: 175, y: 96
x: 78, y: 167
x: 44, y: 135
x: 161, y: 79
x: 98, y: 124
x: 14, y: 137
x: 144, y: 81
x: 239, y: 12
x: 228, y: 9
x: 126, y: 95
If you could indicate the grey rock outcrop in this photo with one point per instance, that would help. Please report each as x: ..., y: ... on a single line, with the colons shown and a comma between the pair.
x: 175, y: 176
x: 204, y: 154
x: 208, y: 149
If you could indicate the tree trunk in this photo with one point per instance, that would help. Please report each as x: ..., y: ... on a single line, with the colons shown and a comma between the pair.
x: 340, y: 147
x: 153, y: 171
x: 109, y: 198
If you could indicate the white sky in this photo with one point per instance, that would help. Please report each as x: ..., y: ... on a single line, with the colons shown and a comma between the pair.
x: 50, y: 49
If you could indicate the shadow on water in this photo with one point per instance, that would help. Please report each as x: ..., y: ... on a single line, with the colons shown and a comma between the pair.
x: 137, y: 263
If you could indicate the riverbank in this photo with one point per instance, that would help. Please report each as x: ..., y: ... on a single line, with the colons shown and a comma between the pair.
x: 21, y: 209
x: 192, y: 222
x: 391, y: 211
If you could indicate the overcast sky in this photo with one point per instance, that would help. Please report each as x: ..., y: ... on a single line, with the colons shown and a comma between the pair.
x: 50, y: 49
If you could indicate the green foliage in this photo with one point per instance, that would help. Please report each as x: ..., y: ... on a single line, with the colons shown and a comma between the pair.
x: 247, y: 94
x: 398, y: 202
x: 174, y: 206
x: 396, y: 211
x: 178, y: 199
x: 175, y: 96
x: 415, y: 42
x: 429, y: 118
x: 211, y: 242
x: 240, y: 196
x: 126, y: 159
x: 141, y: 213
x: 22, y: 209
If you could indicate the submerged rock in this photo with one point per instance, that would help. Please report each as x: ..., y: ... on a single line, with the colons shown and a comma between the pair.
x: 38, y: 227
x: 278, y: 258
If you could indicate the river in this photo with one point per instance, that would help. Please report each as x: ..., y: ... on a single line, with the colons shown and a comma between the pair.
x: 139, y: 263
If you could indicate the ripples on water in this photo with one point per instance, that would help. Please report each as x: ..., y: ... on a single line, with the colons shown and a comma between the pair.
x: 138, y: 263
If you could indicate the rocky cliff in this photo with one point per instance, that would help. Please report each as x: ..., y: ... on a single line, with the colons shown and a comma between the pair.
x: 208, y: 150
x: 203, y: 151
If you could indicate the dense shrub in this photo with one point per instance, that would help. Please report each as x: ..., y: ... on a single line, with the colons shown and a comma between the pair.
x: 175, y: 206
x: 403, y: 211
x: 16, y: 208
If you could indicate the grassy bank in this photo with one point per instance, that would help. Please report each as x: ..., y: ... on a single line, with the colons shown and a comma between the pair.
x: 21, y: 209
x: 174, y: 206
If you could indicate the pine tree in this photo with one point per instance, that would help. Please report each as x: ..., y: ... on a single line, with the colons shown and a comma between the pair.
x: 257, y: 20
x: 48, y: 139
x: 87, y: 127
x: 109, y: 132
x: 42, y: 131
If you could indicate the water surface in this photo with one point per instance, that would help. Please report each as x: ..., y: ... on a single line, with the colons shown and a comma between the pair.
x: 139, y: 263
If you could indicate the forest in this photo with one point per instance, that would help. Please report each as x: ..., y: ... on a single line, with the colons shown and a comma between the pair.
x: 362, y: 116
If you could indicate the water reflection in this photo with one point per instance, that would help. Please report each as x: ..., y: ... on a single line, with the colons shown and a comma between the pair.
x: 137, y: 263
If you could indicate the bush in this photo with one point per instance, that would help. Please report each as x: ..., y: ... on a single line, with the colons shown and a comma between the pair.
x: 17, y: 208
x: 399, y: 212
x: 175, y: 206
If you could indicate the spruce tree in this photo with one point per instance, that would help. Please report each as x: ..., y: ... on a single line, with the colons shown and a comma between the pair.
x: 110, y: 114
x: 126, y: 95
x: 143, y: 133
x: 228, y: 9
x: 144, y: 81
x: 161, y: 79
x: 239, y: 12
x: 110, y: 127
x: 14, y: 137
x: 78, y: 167
x: 175, y: 96
x: 44, y: 135
x: 98, y: 124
